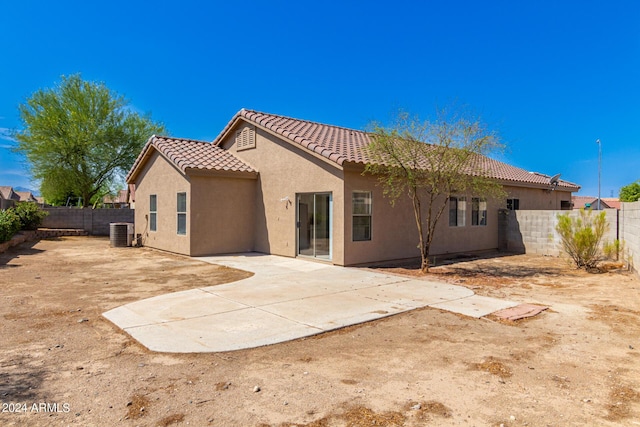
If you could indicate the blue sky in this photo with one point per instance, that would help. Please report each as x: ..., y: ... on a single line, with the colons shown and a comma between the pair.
x: 550, y: 76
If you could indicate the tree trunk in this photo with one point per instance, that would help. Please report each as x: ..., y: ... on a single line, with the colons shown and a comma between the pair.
x: 417, y: 211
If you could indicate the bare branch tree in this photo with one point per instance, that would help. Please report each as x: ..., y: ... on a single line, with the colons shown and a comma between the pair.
x: 429, y: 161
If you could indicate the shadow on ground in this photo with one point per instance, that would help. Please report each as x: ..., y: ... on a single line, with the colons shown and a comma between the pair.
x: 26, y: 248
x: 455, y: 266
x: 19, y: 381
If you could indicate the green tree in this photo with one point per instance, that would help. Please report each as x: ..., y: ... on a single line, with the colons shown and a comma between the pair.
x: 80, y: 138
x: 581, y: 236
x: 430, y: 161
x: 630, y: 193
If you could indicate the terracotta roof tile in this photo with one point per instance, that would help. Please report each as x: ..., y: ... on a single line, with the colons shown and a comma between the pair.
x: 8, y: 193
x: 192, y: 154
x: 613, y: 202
x: 607, y: 202
x: 342, y: 145
x: 25, y: 196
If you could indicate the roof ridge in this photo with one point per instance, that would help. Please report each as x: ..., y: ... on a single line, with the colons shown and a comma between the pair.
x: 302, y: 120
x: 182, y: 139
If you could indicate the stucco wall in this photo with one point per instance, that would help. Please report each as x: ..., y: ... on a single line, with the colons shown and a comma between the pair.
x: 534, y: 231
x: 222, y: 214
x: 94, y: 221
x: 285, y: 171
x: 159, y: 177
x: 537, y: 198
x: 630, y: 231
x: 394, y: 232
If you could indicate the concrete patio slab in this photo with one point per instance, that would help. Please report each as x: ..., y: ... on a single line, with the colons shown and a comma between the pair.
x: 414, y: 293
x: 171, y: 307
x: 332, y: 311
x: 220, y: 332
x: 285, y: 299
x: 474, y: 306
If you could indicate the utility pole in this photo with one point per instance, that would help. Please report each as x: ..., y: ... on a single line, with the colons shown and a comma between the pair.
x: 599, y: 168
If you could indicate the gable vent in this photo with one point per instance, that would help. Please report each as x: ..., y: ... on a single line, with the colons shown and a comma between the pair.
x: 246, y: 138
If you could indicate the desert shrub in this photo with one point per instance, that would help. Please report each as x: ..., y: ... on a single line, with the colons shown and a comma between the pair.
x: 9, y: 224
x: 30, y: 214
x: 581, y: 236
x: 613, y: 250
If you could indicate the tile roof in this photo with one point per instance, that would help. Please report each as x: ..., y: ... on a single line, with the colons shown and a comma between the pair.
x: 613, y: 202
x: 7, y: 193
x: 342, y: 145
x: 25, y: 196
x: 191, y: 154
x: 121, y: 197
x: 580, y: 202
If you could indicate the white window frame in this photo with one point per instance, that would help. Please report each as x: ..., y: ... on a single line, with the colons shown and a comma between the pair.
x: 180, y: 213
x: 368, y: 203
x: 153, y: 212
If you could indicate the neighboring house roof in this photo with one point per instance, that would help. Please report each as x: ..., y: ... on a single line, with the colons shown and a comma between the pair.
x: 121, y: 197
x: 341, y: 145
x: 189, y: 154
x: 25, y: 196
x: 613, y: 202
x: 580, y: 202
x: 8, y: 193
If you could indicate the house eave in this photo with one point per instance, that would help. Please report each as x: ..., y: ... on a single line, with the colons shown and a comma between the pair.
x: 221, y: 173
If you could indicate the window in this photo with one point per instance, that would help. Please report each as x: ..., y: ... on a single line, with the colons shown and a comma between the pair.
x: 246, y: 138
x: 478, y: 211
x: 361, y: 211
x: 182, y: 213
x: 153, y: 212
x: 457, y: 211
x: 513, y: 204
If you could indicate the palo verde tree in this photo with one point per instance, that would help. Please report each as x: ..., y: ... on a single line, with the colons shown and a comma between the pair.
x: 80, y: 138
x: 630, y: 193
x: 430, y: 161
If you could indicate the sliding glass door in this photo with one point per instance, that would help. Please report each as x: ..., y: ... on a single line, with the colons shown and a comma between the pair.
x: 314, y: 224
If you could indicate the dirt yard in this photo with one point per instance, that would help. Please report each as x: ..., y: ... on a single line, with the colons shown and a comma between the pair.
x: 61, y: 363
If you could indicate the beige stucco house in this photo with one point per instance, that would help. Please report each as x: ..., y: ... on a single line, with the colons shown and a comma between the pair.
x: 290, y: 187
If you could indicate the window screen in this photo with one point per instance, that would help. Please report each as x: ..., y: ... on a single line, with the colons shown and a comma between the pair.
x: 153, y: 212
x: 182, y: 213
x: 361, y: 215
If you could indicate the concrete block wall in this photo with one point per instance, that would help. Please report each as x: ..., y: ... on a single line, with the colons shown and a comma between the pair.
x: 534, y: 231
x: 630, y: 232
x: 94, y: 221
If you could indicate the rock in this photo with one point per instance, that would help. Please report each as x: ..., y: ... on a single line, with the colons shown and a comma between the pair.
x: 512, y: 418
x: 256, y: 389
x: 416, y: 407
x: 84, y: 319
